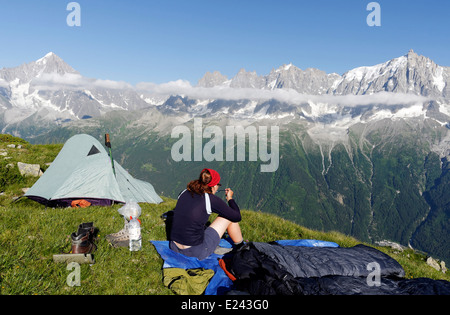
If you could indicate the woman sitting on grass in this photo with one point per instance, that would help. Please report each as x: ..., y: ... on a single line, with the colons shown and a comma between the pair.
x: 189, y: 236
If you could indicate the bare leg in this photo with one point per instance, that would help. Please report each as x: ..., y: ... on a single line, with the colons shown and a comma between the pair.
x: 234, y: 230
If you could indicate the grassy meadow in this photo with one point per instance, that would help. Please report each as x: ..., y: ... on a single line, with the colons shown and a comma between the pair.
x: 30, y: 234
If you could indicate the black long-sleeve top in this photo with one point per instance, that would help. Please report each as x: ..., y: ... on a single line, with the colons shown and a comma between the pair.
x: 190, y: 216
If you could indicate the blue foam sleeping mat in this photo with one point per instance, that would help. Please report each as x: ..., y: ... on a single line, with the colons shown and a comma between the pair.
x: 220, y: 283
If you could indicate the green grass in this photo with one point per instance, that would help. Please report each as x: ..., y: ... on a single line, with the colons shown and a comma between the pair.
x: 11, y: 182
x: 31, y: 234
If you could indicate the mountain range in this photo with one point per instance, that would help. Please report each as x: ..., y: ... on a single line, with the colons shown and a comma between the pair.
x: 51, y: 90
x: 366, y: 152
x: 410, y: 73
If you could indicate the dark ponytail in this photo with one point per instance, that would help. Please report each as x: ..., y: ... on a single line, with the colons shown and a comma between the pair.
x: 200, y: 185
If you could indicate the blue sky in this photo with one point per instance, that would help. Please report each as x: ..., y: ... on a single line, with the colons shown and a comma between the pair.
x: 167, y: 40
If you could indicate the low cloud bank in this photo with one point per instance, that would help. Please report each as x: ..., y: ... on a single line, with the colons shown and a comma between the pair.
x: 184, y: 88
x: 72, y: 81
x: 68, y: 81
x: 3, y: 83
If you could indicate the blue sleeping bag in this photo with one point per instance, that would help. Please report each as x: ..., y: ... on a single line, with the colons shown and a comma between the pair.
x: 220, y: 283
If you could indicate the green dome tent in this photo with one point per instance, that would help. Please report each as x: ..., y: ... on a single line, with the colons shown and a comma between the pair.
x: 83, y: 170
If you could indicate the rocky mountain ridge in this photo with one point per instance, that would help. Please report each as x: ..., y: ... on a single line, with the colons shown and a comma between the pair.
x: 410, y: 73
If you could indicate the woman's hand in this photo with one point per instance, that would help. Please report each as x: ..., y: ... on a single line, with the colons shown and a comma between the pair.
x: 229, y: 193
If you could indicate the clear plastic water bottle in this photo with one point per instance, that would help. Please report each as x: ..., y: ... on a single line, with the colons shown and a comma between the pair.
x: 134, y: 230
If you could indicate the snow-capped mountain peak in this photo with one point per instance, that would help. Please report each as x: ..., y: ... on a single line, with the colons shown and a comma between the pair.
x: 52, y: 63
x: 44, y: 59
x: 285, y: 67
x: 410, y: 74
x: 50, y: 89
x: 25, y: 73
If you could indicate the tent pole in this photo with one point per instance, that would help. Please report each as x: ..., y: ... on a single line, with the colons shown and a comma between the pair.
x: 108, y: 144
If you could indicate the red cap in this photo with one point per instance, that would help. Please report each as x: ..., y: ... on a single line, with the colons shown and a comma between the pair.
x: 215, y: 177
